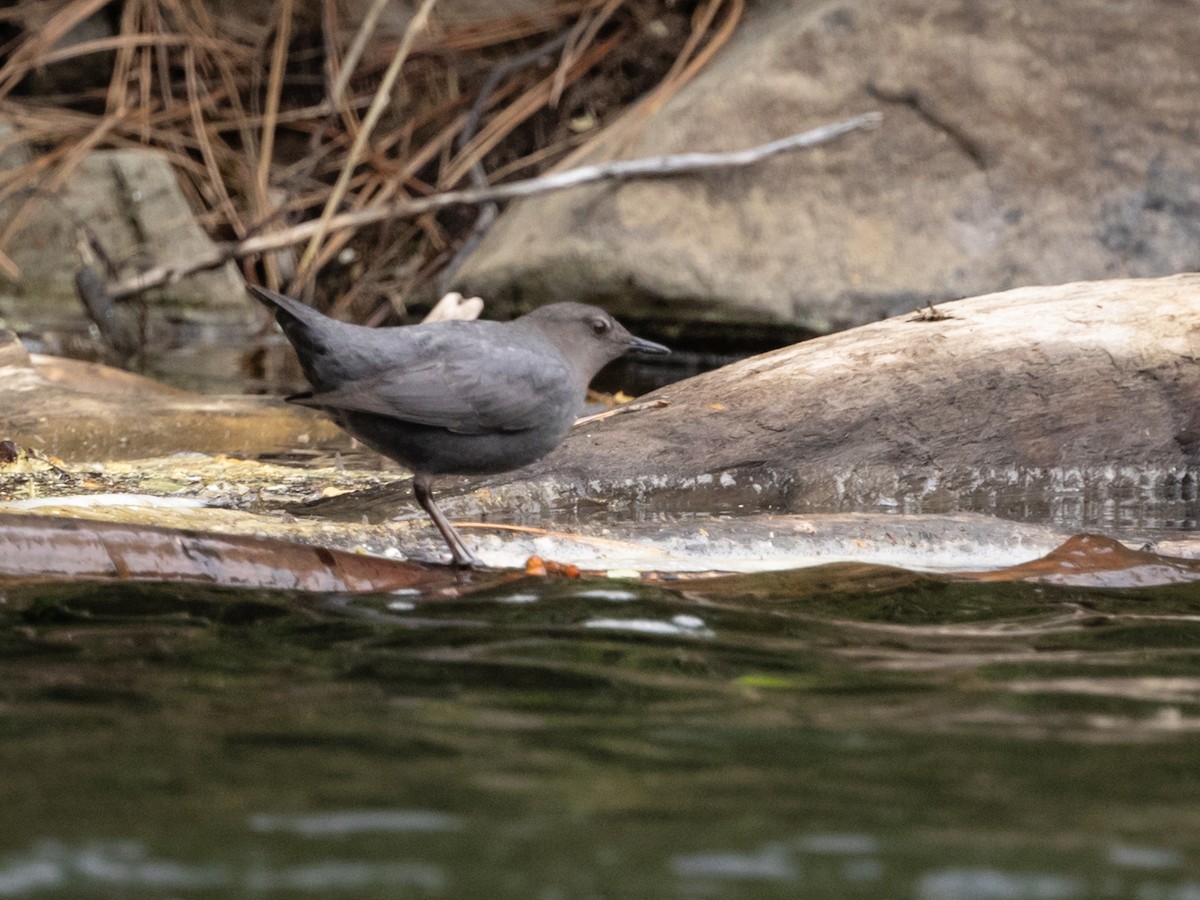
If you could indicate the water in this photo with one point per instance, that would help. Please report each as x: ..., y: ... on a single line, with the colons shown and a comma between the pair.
x: 837, y: 732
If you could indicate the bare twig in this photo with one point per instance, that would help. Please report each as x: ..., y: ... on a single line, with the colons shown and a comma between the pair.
x: 648, y: 167
x: 92, y: 291
x: 207, y: 153
x: 354, y: 54
x: 636, y: 406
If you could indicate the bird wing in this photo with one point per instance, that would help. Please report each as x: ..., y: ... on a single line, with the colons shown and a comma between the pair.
x: 514, y: 391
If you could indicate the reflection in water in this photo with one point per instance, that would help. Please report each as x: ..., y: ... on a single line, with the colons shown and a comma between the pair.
x: 989, y: 884
x: 1144, y: 857
x: 125, y: 864
x: 357, y: 822
x: 773, y: 863
x: 839, y: 732
x: 97, y: 868
x: 342, y: 876
x: 678, y: 626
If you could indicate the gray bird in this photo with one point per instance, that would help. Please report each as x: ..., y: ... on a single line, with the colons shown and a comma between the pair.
x: 454, y: 398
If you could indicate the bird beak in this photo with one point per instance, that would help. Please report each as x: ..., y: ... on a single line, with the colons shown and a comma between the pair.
x: 641, y: 345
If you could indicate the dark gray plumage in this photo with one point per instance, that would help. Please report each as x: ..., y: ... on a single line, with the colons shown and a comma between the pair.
x: 462, y: 398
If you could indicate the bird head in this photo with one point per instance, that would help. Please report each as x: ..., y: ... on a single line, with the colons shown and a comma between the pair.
x: 587, y: 336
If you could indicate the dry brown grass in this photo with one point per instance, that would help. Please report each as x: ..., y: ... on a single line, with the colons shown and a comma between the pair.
x: 271, y: 123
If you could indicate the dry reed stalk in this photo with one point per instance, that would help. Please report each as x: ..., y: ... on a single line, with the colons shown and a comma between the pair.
x: 393, y: 185
x: 301, y: 116
x: 162, y: 68
x: 536, y: 158
x: 266, y: 151
x: 145, y: 75
x: 702, y: 20
x: 207, y: 152
x: 26, y: 57
x: 588, y: 29
x: 336, y: 69
x: 9, y: 266
x: 357, y: 46
x: 445, y: 115
x: 493, y: 32
x: 116, y: 97
x: 155, y: 68
x: 681, y: 74
x: 224, y: 56
x: 119, y: 42
x: 417, y: 24
x: 534, y: 99
x: 383, y: 190
x: 183, y: 85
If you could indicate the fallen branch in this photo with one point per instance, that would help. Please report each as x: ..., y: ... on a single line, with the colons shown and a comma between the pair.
x: 648, y: 167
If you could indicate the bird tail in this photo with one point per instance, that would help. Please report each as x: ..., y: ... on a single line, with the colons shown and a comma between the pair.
x: 285, y: 308
x: 309, y: 331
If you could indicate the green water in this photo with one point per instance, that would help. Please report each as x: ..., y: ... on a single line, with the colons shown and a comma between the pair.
x: 844, y: 732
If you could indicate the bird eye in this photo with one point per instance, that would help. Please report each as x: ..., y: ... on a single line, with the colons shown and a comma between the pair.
x: 599, y: 326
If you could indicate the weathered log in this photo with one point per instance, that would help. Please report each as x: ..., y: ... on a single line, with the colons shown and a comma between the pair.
x: 1034, y: 402
x: 1077, y: 404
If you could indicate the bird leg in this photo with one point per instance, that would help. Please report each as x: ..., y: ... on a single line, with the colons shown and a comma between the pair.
x: 462, y: 556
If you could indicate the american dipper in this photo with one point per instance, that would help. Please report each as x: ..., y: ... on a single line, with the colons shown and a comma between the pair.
x: 454, y: 398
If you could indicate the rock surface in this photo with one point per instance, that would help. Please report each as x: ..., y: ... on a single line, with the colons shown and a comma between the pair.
x: 83, y: 412
x: 1028, y: 143
x: 131, y: 201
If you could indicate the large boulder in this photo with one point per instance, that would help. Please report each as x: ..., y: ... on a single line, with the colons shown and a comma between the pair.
x: 1023, y: 143
x: 130, y: 201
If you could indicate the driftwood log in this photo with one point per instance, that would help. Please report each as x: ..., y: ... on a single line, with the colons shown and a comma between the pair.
x: 1079, y: 402
x: 1071, y: 404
